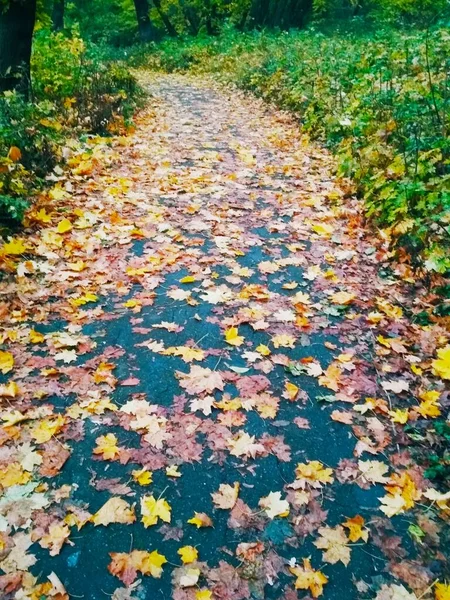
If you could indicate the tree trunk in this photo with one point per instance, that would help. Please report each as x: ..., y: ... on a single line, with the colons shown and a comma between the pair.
x: 165, y: 19
x: 191, y: 18
x: 58, y: 15
x: 16, y: 38
x: 146, y: 32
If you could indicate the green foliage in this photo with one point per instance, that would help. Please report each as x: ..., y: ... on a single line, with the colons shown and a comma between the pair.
x: 381, y: 102
x: 74, y: 92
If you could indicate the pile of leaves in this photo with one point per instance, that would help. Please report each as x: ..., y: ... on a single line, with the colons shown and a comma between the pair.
x: 380, y: 101
x: 74, y: 93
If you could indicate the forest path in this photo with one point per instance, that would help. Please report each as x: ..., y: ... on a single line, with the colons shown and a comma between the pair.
x: 213, y: 305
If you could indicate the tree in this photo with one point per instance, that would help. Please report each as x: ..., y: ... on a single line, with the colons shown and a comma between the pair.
x: 146, y: 30
x: 58, y: 15
x: 17, y: 20
x: 165, y: 19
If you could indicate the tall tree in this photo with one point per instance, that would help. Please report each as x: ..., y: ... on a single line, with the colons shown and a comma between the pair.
x: 17, y: 20
x: 58, y: 15
x: 146, y: 30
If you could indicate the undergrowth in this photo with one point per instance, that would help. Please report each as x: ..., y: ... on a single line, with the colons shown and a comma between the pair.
x: 381, y: 101
x: 75, y: 92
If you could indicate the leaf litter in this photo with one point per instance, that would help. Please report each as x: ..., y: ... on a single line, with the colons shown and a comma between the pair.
x: 211, y: 386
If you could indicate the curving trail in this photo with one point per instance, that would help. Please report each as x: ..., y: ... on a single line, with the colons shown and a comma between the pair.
x: 200, y: 305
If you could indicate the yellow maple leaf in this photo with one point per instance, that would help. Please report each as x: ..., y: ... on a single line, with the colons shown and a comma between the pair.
x: 9, y: 390
x: 64, y: 226
x: 314, y: 474
x: 188, y: 554
x: 84, y: 299
x: 308, y: 578
x: 356, y: 531
x: 152, y: 564
x: 200, y: 520
x: 262, y: 349
x: 429, y: 405
x: 232, y: 337
x: 13, y: 474
x: 442, y: 591
x: 323, y: 229
x: 115, y: 510
x: 42, y: 216
x: 188, y: 279
x: 290, y: 390
x: 203, y: 595
x: 187, y: 353
x: 342, y: 298
x: 107, y: 446
x: 142, y: 476
x: 148, y: 563
x: 402, y: 494
x: 399, y: 416
x: 6, y: 362
x: 153, y: 509
x: 441, y: 364
x: 283, y: 340
x: 47, y: 428
x: 395, y: 312
x: 14, y: 247
x: 36, y: 337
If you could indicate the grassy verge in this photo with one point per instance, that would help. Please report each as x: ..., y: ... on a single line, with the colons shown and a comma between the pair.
x: 75, y: 92
x: 381, y: 101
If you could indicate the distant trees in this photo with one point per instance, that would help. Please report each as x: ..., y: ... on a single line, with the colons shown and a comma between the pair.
x: 17, y: 20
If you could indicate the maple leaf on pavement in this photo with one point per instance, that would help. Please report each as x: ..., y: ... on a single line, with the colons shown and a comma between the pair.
x: 356, y: 531
x: 227, y: 496
x: 188, y: 554
x: 442, y: 591
x: 107, y: 446
x: 373, y: 471
x: 115, y: 510
x: 153, y: 509
x: 200, y: 380
x: 308, y: 578
x: 335, y: 543
x: 441, y: 364
x: 244, y: 445
x: 200, y: 520
x: 313, y: 474
x: 126, y: 566
x: 274, y: 505
x: 55, y: 538
x: 233, y: 338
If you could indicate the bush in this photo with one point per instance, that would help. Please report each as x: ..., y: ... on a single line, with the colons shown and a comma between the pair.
x: 380, y: 101
x: 75, y: 91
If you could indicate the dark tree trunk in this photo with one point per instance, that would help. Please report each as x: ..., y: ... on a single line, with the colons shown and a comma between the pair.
x: 191, y: 17
x: 58, y: 15
x: 16, y: 38
x: 146, y: 32
x: 165, y: 19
